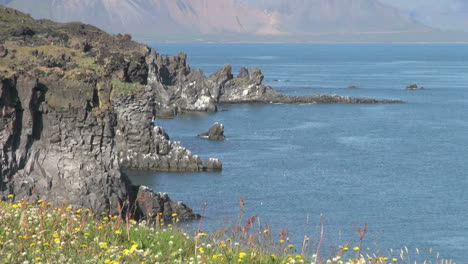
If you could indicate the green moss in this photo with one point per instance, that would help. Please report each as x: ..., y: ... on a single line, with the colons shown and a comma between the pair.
x: 240, y: 81
x: 120, y: 88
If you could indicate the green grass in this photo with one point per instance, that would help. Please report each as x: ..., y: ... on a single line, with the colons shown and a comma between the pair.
x: 41, y: 233
x: 120, y: 88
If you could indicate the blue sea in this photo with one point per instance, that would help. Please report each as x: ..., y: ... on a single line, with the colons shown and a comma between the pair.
x: 402, y: 169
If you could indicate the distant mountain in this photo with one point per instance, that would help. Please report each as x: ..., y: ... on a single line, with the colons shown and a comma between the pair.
x: 157, y: 18
x: 446, y: 14
x: 239, y: 20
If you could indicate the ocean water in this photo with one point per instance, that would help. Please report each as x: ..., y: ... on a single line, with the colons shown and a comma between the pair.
x: 402, y: 169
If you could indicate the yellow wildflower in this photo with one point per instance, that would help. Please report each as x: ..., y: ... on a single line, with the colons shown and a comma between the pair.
x: 40, y: 201
x: 10, y: 196
x: 118, y: 232
x: 394, y: 259
x: 126, y: 251
x: 242, y: 255
x: 290, y: 246
x: 356, y: 248
x: 55, y: 235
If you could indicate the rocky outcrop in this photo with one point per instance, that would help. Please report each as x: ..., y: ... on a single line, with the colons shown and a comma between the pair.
x: 352, y: 87
x: 75, y: 155
x: 178, y: 89
x: 216, y: 132
x: 75, y: 112
x: 414, y: 87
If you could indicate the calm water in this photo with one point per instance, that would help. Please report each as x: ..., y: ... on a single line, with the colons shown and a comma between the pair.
x: 403, y: 169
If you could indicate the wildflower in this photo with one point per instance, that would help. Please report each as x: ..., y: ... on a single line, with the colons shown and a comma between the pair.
x: 57, y: 240
x: 394, y: 259
x: 100, y: 227
x: 107, y: 261
x: 201, y: 249
x: 242, y: 255
x: 10, y: 196
x: 38, y: 258
x: 356, y: 248
x: 134, y: 246
x: 306, y: 238
x: 87, y: 234
x: 103, y: 213
x: 118, y: 232
x: 273, y: 256
x: 215, y: 256
x: 174, y: 215
x: 345, y: 248
x: 126, y: 251
x: 77, y: 229
x: 222, y: 244
x: 55, y: 235
x: 68, y: 208
x: 103, y: 245
x: 266, y: 231
x: 40, y: 201
x: 290, y: 246
x: 84, y: 246
x: 281, y: 241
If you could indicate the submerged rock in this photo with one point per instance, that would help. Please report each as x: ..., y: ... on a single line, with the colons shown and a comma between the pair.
x: 216, y: 132
x: 352, y: 87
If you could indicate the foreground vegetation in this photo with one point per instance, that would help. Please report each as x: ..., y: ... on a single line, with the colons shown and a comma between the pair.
x: 41, y: 233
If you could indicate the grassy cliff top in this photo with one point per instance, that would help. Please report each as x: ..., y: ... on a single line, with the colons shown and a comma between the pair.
x: 71, y: 50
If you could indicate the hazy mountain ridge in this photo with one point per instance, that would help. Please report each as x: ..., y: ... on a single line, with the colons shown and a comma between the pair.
x: 239, y: 20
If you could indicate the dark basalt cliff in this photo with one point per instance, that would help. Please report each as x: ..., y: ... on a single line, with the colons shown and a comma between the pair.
x: 75, y: 111
x: 78, y: 106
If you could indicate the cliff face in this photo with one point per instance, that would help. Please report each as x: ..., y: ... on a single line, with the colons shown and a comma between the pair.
x: 75, y: 111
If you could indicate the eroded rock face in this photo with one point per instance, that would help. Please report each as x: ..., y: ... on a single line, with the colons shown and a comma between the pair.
x: 74, y: 154
x: 216, y: 132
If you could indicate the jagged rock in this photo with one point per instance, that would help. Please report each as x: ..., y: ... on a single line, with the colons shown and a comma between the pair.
x: 414, y: 87
x: 216, y: 132
x: 3, y: 51
x: 243, y: 73
x: 213, y: 164
x: 83, y: 46
x: 178, y: 89
x: 154, y: 204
